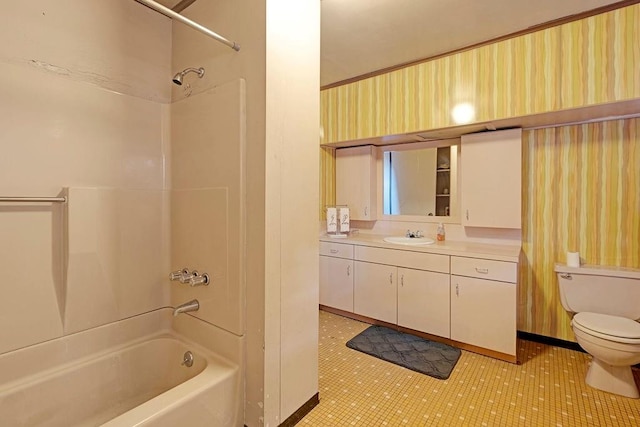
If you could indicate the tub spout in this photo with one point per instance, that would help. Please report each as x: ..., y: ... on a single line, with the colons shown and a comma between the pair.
x: 192, y: 305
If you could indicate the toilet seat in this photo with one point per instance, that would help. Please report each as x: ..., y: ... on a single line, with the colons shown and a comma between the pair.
x: 612, y: 328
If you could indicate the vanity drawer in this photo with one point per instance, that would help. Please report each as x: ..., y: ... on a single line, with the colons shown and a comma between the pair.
x: 400, y: 258
x: 338, y: 250
x: 485, y: 269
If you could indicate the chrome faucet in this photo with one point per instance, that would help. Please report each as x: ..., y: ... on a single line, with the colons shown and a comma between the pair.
x: 413, y: 234
x: 192, y: 305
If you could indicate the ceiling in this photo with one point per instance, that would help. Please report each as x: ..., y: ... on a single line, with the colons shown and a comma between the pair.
x: 363, y: 36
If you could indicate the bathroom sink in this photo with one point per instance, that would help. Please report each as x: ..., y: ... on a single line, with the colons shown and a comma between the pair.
x: 410, y: 241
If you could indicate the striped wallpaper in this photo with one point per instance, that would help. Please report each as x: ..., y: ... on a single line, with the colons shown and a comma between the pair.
x: 327, y: 179
x: 581, y: 192
x: 585, y: 62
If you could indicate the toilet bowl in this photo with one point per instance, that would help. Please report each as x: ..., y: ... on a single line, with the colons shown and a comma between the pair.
x: 614, y: 343
x: 606, y: 303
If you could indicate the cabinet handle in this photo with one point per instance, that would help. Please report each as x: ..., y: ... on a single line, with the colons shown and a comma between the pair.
x: 467, y: 214
x: 334, y: 251
x: 366, y: 210
x: 402, y: 280
x: 457, y: 290
x: 482, y: 270
x: 348, y: 270
x: 391, y: 278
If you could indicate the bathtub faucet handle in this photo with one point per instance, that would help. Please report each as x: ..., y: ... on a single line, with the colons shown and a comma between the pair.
x: 199, y: 280
x: 186, y: 278
x: 179, y: 275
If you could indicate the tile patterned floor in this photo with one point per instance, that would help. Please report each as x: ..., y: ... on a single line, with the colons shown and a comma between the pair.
x: 547, y: 389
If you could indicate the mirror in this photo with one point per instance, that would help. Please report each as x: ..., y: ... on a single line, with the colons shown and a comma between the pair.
x: 420, y: 180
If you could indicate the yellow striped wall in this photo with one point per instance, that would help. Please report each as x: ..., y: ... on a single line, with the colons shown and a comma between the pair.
x: 581, y: 188
x: 327, y: 179
x: 585, y: 62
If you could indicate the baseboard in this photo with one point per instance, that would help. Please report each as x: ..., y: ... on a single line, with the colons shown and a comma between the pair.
x: 301, y: 412
x: 556, y: 342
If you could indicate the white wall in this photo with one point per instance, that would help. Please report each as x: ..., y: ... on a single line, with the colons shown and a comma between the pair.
x: 279, y: 61
x: 292, y: 183
x: 81, y: 106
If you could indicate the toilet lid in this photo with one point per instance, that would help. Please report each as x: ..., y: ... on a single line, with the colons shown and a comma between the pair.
x: 608, y: 325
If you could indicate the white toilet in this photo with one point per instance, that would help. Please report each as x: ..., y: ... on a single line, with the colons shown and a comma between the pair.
x: 606, y: 303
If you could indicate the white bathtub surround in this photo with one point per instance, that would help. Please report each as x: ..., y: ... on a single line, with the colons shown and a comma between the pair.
x: 125, y: 373
x: 81, y: 108
x: 208, y: 207
x: 117, y: 248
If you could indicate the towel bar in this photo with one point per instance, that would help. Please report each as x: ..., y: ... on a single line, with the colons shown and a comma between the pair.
x: 33, y: 199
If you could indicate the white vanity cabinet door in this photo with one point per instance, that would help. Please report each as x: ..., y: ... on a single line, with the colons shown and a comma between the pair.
x: 491, y: 164
x: 336, y: 283
x: 375, y: 291
x: 423, y: 301
x: 483, y: 313
x: 356, y: 181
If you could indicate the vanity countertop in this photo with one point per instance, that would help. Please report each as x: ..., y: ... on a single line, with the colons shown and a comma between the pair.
x: 509, y: 253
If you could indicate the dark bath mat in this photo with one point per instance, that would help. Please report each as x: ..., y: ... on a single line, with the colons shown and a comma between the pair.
x: 418, y: 354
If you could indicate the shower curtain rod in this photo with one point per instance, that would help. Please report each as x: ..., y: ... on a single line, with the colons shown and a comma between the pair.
x: 173, y: 15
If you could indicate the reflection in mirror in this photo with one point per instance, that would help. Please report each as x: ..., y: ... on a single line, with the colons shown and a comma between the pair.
x: 418, y: 181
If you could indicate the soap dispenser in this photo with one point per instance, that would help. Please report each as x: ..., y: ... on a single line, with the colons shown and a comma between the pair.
x: 440, y: 232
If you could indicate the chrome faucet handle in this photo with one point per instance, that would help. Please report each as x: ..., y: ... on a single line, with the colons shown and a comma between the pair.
x: 186, y: 278
x: 408, y: 234
x: 199, y: 280
x: 178, y: 275
x: 419, y: 233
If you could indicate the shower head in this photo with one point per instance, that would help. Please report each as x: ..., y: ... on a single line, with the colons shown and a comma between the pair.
x: 177, y: 79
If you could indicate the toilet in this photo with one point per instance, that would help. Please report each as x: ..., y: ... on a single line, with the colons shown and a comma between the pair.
x: 606, y: 303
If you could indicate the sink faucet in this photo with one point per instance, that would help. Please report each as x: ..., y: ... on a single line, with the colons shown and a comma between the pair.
x: 192, y: 305
x: 412, y: 234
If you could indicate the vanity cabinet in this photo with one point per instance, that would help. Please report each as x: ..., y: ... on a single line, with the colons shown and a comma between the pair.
x: 491, y: 179
x: 483, y: 303
x: 356, y: 181
x: 375, y: 291
x: 423, y: 301
x: 469, y: 300
x: 407, y: 288
x: 336, y: 275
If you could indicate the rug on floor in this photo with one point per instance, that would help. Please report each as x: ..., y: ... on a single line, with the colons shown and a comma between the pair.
x: 418, y: 354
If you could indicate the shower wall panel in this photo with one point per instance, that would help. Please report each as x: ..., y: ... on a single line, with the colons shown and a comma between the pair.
x: 208, y: 201
x: 82, y: 105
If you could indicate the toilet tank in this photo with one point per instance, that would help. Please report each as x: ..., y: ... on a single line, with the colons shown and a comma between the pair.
x: 599, y: 289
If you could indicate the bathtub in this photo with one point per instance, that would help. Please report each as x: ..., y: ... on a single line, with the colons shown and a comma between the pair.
x: 128, y: 374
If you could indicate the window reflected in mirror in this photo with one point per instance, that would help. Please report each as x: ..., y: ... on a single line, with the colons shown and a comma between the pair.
x: 418, y: 182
